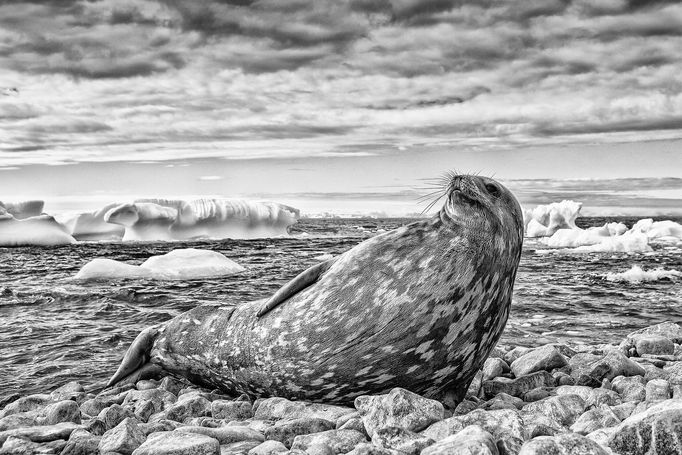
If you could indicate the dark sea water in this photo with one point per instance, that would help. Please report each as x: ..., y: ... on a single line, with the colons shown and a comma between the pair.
x: 54, y: 329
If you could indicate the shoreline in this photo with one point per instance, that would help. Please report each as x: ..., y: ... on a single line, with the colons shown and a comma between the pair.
x: 555, y: 398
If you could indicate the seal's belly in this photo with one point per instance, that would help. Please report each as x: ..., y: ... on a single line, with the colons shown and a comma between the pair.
x: 423, y: 321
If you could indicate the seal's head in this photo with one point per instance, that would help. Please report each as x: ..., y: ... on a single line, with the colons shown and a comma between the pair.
x: 482, y: 204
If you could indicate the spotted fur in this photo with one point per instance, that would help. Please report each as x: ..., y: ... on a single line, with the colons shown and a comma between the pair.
x: 419, y: 307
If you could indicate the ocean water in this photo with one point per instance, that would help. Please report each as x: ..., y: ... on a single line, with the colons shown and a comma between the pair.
x: 54, y: 329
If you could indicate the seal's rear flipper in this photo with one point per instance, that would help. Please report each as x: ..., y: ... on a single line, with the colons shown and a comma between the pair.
x: 300, y: 282
x: 134, y: 363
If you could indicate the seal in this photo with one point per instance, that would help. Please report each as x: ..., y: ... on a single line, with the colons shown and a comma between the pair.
x: 419, y: 307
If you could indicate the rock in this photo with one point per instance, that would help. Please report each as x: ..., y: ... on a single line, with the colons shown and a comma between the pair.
x: 668, y: 330
x: 536, y: 394
x: 405, y: 441
x: 19, y: 446
x: 171, y: 385
x: 226, y: 435
x: 564, y: 409
x: 630, y: 388
x: 399, y: 408
x: 656, y: 431
x: 623, y: 411
x: 354, y: 424
x: 174, y: 443
x: 340, y: 441
x: 238, y: 448
x: 124, y: 438
x: 144, y: 409
x: 113, y: 415
x: 95, y: 426
x: 595, y: 419
x: 81, y: 443
x: 370, y: 449
x: 561, y: 378
x: 563, y: 444
x: 601, y: 436
x: 543, y: 358
x: 19, y: 420
x: 657, y: 390
x: 69, y: 391
x: 62, y: 411
x: 471, y: 440
x: 592, y: 397
x: 494, y: 367
x: 653, y: 344
x: 345, y: 418
x: 34, y: 402
x: 191, y: 406
x: 654, y: 372
x: 502, y: 401
x: 501, y: 423
x: 147, y: 384
x: 515, y: 353
x: 674, y: 371
x: 41, y: 433
x: 474, y: 387
x: 268, y: 448
x: 93, y: 406
x: 286, y: 430
x: 609, y: 366
x: 465, y: 407
x: 540, y: 425
x: 231, y: 410
x: 161, y: 425
x: 281, y: 408
x: 517, y: 387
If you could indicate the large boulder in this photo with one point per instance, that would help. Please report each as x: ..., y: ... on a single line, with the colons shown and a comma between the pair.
x: 471, y: 440
x: 563, y: 444
x: 655, y: 431
x: 172, y: 443
x: 543, y: 358
x: 281, y: 408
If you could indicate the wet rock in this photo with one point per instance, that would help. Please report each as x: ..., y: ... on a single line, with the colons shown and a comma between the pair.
x: 188, y: 407
x: 656, y: 431
x: 124, y: 438
x: 81, y: 443
x: 471, y: 440
x: 563, y: 444
x: 339, y: 441
x: 405, y: 441
x: 501, y: 423
x: 238, y: 448
x: 543, y: 358
x: 653, y: 344
x: 623, y: 411
x: 62, y: 411
x: 517, y: 387
x: 113, y: 415
x: 70, y: 391
x: 93, y: 406
x: 370, y: 449
x: 41, y: 433
x: 286, y: 430
x: 34, y: 402
x: 226, y: 435
x: 231, y: 410
x: 281, y: 408
x: 399, y: 408
x: 657, y: 390
x: 268, y: 448
x: 564, y: 409
x: 494, y: 367
x: 174, y: 443
x: 595, y: 419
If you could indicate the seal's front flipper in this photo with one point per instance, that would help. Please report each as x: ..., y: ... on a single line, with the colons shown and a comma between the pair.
x: 302, y: 281
x: 135, y: 362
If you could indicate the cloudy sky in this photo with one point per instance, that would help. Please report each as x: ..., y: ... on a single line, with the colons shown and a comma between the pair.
x: 341, y: 105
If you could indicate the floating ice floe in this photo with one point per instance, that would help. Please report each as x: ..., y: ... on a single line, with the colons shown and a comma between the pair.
x: 545, y: 220
x: 19, y: 225
x: 181, y: 264
x: 637, y: 275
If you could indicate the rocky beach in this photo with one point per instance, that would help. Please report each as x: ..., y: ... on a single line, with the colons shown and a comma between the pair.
x: 620, y: 398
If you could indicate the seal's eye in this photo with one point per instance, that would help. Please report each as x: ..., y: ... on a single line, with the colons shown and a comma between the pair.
x: 492, y: 189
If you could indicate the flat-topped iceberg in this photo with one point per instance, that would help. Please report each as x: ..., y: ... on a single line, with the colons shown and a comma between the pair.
x: 181, y: 264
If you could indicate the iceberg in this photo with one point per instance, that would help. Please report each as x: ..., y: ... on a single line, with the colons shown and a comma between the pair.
x: 37, y: 230
x: 24, y: 209
x: 91, y: 226
x: 545, y: 220
x: 637, y: 275
x: 658, y: 229
x: 181, y: 264
x: 170, y: 219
